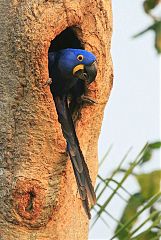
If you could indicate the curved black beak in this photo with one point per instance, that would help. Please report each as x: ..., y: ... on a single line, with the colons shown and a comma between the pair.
x: 91, y: 71
x: 88, y: 74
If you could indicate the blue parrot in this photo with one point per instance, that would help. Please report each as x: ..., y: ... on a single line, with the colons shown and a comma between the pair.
x: 71, y: 70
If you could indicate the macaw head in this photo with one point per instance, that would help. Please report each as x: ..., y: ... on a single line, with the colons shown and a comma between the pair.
x: 77, y: 63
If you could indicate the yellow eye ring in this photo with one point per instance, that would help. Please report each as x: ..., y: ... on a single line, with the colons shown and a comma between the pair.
x: 80, y: 57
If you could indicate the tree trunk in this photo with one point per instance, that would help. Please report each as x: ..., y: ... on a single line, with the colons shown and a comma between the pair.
x: 38, y: 192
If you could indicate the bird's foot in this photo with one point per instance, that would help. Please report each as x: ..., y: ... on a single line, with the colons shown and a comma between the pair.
x: 75, y: 116
x: 75, y: 107
x: 87, y: 100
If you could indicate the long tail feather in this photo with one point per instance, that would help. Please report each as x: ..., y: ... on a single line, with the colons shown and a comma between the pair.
x: 79, y: 165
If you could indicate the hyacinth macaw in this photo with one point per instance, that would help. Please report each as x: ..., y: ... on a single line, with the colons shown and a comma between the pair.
x: 71, y: 70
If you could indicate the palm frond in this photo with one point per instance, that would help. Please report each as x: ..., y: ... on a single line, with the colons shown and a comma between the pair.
x: 136, y: 203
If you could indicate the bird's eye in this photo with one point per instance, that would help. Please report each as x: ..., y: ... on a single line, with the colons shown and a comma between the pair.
x: 80, y: 57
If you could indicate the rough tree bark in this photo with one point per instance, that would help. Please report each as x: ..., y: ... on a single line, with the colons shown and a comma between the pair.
x: 38, y: 193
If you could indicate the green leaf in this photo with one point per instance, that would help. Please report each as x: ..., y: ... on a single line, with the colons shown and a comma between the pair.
x: 144, y: 207
x: 138, y: 203
x: 152, y: 27
x: 134, y: 202
x: 154, y: 210
x: 129, y: 171
x: 156, y: 27
x: 149, y: 183
x: 158, y: 39
x: 147, y: 155
x: 150, y: 4
x: 155, y: 145
x: 154, y: 216
x: 146, y: 235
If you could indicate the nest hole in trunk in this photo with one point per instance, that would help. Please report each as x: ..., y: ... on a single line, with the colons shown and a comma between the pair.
x: 69, y: 38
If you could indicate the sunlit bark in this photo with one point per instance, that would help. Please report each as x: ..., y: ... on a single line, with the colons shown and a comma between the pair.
x: 38, y: 193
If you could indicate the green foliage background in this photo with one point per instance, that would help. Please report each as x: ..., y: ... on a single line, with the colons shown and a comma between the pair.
x: 148, y: 198
x: 149, y: 7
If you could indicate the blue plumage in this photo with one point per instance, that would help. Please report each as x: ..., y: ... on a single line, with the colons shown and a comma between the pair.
x: 70, y: 70
x: 62, y: 64
x: 68, y: 59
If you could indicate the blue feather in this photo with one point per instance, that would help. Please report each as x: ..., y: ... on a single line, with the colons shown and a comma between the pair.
x: 66, y: 77
x: 68, y: 59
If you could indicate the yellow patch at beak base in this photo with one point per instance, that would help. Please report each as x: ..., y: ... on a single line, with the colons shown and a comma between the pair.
x: 77, y: 68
